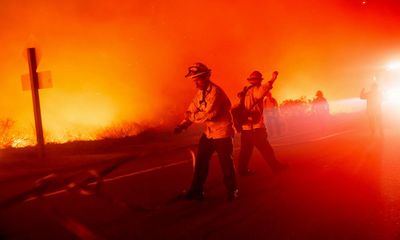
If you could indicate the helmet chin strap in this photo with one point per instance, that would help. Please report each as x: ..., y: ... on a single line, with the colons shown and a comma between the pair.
x: 255, y: 83
x: 206, y: 84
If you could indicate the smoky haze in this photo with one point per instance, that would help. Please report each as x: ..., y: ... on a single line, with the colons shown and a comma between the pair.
x: 125, y: 60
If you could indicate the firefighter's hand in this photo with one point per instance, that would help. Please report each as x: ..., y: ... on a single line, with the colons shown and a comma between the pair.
x: 274, y: 75
x: 179, y: 128
x: 182, y: 126
x: 273, y: 78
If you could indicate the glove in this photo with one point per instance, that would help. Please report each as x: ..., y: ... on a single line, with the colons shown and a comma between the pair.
x: 182, y: 126
x: 179, y: 128
x: 274, y: 76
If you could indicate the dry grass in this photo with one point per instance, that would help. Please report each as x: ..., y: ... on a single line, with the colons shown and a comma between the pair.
x: 120, y: 130
x: 6, y: 137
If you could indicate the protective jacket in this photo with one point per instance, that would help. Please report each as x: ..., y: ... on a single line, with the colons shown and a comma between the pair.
x: 212, y: 107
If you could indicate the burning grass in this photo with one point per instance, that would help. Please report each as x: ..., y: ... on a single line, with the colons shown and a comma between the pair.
x: 6, y: 138
x: 10, y: 136
x: 120, y: 130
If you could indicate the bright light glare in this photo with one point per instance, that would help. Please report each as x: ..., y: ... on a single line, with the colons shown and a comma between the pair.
x: 391, y: 103
x: 393, y: 66
x: 393, y: 96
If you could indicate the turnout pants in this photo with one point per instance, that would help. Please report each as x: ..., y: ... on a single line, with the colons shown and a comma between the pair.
x: 224, y: 149
x: 255, y: 138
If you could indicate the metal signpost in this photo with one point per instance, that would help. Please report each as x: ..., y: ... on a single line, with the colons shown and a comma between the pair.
x: 35, y: 84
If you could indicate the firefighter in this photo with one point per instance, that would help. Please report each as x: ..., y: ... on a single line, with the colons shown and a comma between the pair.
x: 374, y: 109
x: 320, y: 109
x: 210, y: 106
x: 254, y: 133
x: 271, y: 110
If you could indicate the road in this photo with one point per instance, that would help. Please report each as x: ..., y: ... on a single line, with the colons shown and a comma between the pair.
x: 340, y: 185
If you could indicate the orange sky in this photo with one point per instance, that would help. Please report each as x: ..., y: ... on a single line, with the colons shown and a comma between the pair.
x: 125, y: 60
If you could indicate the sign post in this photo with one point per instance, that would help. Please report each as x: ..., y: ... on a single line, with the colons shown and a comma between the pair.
x: 34, y: 85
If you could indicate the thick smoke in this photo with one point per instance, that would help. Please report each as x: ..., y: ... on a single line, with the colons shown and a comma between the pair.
x: 118, y: 61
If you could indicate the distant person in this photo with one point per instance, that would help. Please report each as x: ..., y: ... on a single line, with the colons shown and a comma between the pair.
x: 271, y: 112
x: 374, y: 110
x: 211, y: 106
x: 320, y: 108
x: 254, y: 133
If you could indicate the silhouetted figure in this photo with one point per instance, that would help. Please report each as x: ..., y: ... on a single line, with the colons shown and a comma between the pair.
x: 320, y: 108
x: 271, y: 112
x: 374, y: 110
x: 254, y: 133
x: 211, y: 106
x: 294, y: 114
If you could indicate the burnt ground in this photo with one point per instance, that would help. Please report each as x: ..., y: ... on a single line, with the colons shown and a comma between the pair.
x: 341, y: 184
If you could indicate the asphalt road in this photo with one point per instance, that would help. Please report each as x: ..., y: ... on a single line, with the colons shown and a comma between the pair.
x: 340, y: 185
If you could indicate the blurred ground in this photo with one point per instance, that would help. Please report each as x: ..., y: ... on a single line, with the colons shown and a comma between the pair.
x: 341, y: 184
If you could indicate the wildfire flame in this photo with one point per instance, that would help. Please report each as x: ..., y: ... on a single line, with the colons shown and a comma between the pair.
x: 125, y: 62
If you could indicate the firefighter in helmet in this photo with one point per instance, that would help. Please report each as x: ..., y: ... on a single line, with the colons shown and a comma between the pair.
x: 254, y: 133
x: 210, y: 106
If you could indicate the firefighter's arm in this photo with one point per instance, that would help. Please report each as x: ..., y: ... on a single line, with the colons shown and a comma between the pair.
x: 265, y: 88
x: 187, y: 121
x: 211, y: 110
x: 182, y: 126
x: 363, y: 94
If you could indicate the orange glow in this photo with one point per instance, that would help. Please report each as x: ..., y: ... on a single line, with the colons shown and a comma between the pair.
x: 113, y: 63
